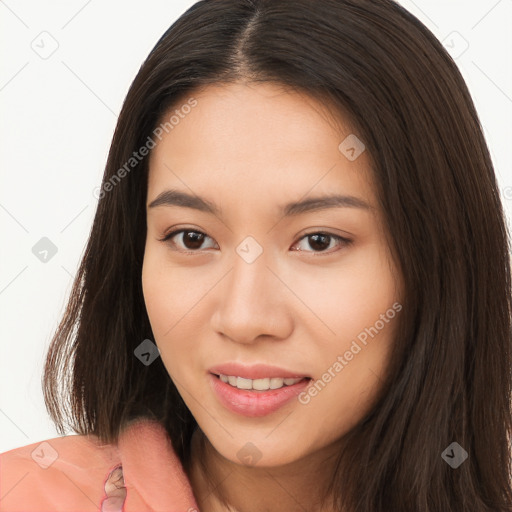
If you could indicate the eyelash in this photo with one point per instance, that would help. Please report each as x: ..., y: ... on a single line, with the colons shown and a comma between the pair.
x: 344, y: 241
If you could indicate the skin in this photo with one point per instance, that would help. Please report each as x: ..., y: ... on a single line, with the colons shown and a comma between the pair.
x: 250, y: 149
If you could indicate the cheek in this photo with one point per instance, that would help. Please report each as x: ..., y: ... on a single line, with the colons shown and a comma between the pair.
x: 351, y: 359
x: 161, y: 308
x: 171, y: 292
x: 160, y: 297
x: 158, y: 302
x: 347, y: 299
x: 172, y: 296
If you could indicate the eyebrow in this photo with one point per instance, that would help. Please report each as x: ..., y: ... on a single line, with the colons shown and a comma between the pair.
x: 174, y: 197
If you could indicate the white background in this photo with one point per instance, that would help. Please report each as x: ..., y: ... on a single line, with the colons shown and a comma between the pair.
x: 57, y: 121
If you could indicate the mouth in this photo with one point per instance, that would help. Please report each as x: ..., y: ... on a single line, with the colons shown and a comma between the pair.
x: 259, y: 397
x: 254, y: 372
x: 262, y: 384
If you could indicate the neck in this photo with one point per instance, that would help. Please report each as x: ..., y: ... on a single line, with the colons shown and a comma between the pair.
x: 224, y: 485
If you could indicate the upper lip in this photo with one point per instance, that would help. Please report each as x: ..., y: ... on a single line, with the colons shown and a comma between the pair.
x: 254, y: 371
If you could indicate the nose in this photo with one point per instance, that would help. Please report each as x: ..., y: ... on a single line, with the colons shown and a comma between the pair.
x: 253, y: 303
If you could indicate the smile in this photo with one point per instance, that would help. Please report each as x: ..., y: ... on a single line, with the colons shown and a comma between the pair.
x: 258, y: 384
x: 256, y: 397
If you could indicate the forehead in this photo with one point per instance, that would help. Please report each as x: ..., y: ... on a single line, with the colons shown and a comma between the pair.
x: 264, y: 140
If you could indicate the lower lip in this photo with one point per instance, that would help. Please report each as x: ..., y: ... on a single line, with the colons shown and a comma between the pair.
x: 255, y: 403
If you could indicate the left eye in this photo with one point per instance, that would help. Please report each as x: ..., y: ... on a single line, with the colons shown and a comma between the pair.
x: 192, y: 240
x: 321, y: 241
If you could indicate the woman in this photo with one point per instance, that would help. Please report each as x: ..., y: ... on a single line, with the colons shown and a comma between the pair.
x: 296, y: 294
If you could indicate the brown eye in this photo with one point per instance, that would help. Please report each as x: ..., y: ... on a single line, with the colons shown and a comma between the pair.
x: 191, y: 240
x: 320, y: 242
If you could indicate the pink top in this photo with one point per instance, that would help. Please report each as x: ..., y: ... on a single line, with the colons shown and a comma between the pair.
x: 77, y: 473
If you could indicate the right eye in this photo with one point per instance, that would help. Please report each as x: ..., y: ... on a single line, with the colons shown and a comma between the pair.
x: 190, y: 239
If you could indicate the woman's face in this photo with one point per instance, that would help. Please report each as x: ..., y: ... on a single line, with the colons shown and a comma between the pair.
x: 257, y: 290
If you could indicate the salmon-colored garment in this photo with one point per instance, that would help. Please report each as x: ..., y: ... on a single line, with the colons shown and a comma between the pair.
x: 77, y: 473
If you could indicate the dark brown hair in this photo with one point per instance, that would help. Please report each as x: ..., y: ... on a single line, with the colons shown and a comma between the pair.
x: 450, y: 375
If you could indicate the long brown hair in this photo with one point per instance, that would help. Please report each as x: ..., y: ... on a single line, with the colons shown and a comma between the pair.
x: 450, y: 377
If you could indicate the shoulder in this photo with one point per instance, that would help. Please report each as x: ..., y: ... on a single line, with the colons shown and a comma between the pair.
x: 56, y: 474
x: 141, y: 471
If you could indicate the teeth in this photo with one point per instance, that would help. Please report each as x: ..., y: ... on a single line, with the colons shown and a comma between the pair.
x: 258, y: 384
x: 243, y: 383
x: 261, y: 384
x: 276, y: 383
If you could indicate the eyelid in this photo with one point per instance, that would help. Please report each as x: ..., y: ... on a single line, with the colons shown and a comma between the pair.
x: 314, y: 231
